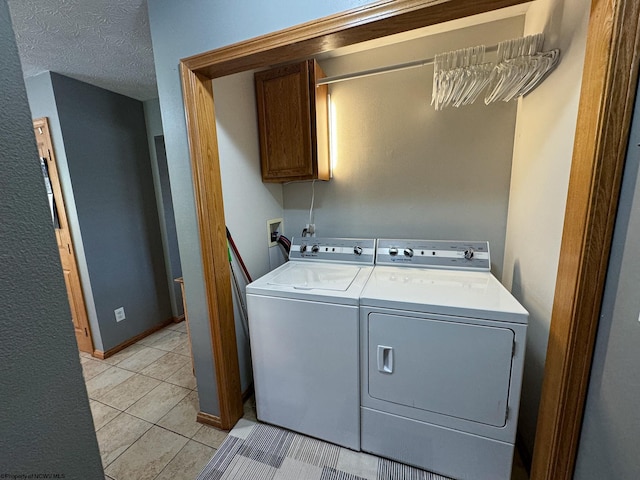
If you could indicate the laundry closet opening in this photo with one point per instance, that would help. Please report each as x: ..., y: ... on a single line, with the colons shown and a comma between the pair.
x: 249, y: 203
x: 400, y: 168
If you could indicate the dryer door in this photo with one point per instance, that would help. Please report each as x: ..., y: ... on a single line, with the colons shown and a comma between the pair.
x: 455, y: 369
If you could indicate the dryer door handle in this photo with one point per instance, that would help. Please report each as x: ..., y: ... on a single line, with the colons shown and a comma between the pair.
x: 385, y: 359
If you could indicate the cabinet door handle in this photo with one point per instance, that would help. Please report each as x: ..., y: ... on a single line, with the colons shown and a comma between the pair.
x: 385, y: 359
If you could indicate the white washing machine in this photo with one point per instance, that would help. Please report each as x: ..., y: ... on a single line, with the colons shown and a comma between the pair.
x: 442, y: 347
x: 303, y: 324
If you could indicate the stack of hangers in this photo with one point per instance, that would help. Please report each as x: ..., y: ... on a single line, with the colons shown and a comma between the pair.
x: 460, y: 76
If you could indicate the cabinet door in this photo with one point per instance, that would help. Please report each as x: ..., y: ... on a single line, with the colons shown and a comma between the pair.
x: 287, y: 117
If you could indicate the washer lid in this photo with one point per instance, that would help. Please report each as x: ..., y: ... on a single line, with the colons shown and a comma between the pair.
x: 314, y: 281
x: 303, y: 276
x: 448, y: 292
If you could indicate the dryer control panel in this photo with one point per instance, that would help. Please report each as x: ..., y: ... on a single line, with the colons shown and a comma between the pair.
x: 360, y: 251
x: 458, y: 255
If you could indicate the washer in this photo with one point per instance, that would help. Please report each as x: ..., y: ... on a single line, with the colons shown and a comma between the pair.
x: 442, y: 348
x: 303, y: 324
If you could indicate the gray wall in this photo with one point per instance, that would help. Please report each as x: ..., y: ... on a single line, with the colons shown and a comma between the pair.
x: 405, y: 170
x: 609, y: 441
x: 162, y: 183
x: 43, y: 104
x: 45, y: 421
x: 105, y: 140
x: 180, y: 29
x: 168, y: 224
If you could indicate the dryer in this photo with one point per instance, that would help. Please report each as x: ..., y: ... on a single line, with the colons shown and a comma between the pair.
x: 303, y: 324
x: 442, y: 348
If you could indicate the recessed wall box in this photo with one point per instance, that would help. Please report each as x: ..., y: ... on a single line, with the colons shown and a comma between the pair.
x: 275, y: 227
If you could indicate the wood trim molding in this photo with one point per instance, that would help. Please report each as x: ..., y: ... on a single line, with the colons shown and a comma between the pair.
x: 209, y: 419
x: 179, y: 318
x: 368, y: 22
x: 602, y: 133
x: 112, y: 351
x: 203, y: 144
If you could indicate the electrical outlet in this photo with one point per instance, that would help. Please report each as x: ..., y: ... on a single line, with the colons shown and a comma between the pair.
x: 119, y: 314
x: 311, y: 229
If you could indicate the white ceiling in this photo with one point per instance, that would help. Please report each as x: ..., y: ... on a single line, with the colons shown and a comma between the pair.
x: 106, y: 43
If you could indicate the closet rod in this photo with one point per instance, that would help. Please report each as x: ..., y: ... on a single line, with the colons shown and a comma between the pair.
x: 387, y: 69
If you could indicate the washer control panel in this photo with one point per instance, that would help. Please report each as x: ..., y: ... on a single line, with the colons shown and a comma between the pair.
x: 434, y: 254
x: 349, y: 250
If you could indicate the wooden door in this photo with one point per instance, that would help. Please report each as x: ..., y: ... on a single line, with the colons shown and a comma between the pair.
x: 63, y: 236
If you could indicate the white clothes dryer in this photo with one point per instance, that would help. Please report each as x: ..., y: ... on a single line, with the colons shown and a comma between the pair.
x: 303, y: 324
x: 442, y: 351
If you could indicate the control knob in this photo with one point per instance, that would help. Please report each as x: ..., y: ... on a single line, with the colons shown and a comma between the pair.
x: 303, y: 248
x: 315, y: 248
x: 408, y: 252
x: 468, y: 253
x: 393, y: 251
x: 357, y: 250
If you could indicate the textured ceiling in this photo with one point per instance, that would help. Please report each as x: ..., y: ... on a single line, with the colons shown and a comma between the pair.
x: 106, y: 43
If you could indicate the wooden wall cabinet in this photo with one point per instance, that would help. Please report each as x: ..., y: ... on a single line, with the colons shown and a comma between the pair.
x: 293, y: 123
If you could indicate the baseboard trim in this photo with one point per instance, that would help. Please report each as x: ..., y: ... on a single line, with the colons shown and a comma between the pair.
x: 112, y: 351
x: 209, y: 419
x: 178, y: 319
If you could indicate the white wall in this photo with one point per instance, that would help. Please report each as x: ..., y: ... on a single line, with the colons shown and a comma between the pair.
x: 178, y: 30
x: 405, y: 170
x: 541, y: 162
x: 248, y: 203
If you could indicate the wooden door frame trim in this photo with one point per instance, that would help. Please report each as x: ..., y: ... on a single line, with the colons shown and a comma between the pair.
x: 602, y: 130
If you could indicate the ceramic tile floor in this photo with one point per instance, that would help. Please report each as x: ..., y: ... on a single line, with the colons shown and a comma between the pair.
x: 144, y: 403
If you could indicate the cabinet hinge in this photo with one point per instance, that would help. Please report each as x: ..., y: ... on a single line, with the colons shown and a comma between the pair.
x: 69, y: 248
x: 86, y: 333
